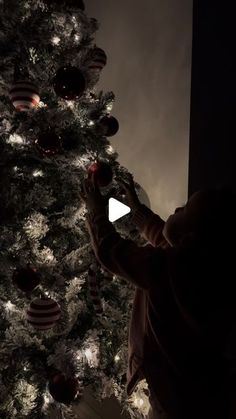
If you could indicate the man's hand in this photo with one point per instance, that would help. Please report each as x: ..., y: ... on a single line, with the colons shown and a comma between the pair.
x: 91, y: 195
x: 131, y: 195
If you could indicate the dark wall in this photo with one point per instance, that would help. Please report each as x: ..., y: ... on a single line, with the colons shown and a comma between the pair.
x: 213, y: 99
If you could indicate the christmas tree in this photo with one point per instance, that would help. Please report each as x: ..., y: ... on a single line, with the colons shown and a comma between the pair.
x: 64, y: 319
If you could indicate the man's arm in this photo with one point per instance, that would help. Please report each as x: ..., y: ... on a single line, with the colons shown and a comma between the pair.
x: 139, y: 265
x: 150, y: 225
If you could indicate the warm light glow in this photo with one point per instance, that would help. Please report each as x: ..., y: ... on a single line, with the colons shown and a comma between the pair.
x: 37, y: 173
x: 138, y: 402
x: 56, y: 40
x: 109, y: 107
x: 15, y: 139
x: 109, y: 149
x: 88, y: 354
x: 42, y: 104
x: 117, y: 358
x: 70, y: 104
x: 91, y: 123
x: 9, y: 306
x: 77, y: 38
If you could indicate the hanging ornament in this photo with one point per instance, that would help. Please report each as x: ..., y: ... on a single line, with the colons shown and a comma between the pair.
x: 26, y: 279
x: 103, y: 173
x: 24, y: 95
x: 43, y: 313
x: 69, y: 83
x: 70, y: 139
x: 69, y: 3
x: 62, y: 389
x: 49, y: 143
x: 109, y: 125
x: 98, y: 59
x: 94, y: 288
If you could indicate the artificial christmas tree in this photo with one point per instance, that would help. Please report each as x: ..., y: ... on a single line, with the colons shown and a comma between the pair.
x: 42, y: 217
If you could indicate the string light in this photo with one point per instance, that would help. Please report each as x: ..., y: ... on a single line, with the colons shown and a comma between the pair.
x: 117, y: 358
x: 88, y: 354
x: 37, y: 173
x: 15, y: 139
x: 109, y: 107
x: 56, y: 40
x: 138, y: 402
x: 42, y: 104
x: 9, y: 306
x: 91, y: 123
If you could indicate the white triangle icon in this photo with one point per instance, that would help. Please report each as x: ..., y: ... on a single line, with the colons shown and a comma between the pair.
x: 117, y: 209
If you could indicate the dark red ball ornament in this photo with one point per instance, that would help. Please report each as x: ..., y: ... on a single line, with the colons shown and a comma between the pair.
x: 69, y: 83
x: 62, y: 389
x: 26, y: 279
x: 109, y: 125
x: 49, y: 143
x: 103, y: 173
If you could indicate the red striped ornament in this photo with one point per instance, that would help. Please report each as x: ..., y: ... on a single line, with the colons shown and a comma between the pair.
x: 94, y: 288
x: 99, y: 59
x: 24, y: 95
x: 43, y: 313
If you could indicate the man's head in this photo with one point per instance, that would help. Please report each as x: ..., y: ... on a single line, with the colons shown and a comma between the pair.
x: 205, y: 211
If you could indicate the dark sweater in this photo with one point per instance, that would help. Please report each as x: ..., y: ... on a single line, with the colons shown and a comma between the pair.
x: 169, y: 340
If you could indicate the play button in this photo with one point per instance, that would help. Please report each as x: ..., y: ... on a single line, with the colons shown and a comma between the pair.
x: 116, y: 209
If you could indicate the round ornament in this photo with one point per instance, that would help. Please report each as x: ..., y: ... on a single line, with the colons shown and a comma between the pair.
x: 24, y: 95
x: 43, y: 313
x: 98, y: 60
x: 26, y: 279
x: 49, y: 143
x: 69, y: 83
x: 109, y: 125
x: 103, y: 173
x: 62, y: 389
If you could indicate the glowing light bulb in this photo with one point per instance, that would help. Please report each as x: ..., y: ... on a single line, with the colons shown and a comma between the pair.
x: 109, y: 107
x: 37, y: 173
x: 117, y: 358
x: 56, y: 40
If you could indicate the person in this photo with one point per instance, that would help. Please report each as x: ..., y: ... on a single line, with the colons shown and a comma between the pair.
x: 183, y: 307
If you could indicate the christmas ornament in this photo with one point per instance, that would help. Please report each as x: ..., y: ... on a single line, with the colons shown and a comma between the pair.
x: 26, y: 279
x: 62, y: 389
x: 109, y: 125
x: 43, y: 313
x: 98, y: 59
x: 49, y: 143
x: 70, y: 3
x: 24, y: 95
x: 94, y: 288
x: 103, y: 173
x: 69, y: 83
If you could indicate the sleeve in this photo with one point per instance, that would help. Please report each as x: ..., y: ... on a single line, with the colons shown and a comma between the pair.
x: 150, y: 226
x: 139, y: 265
